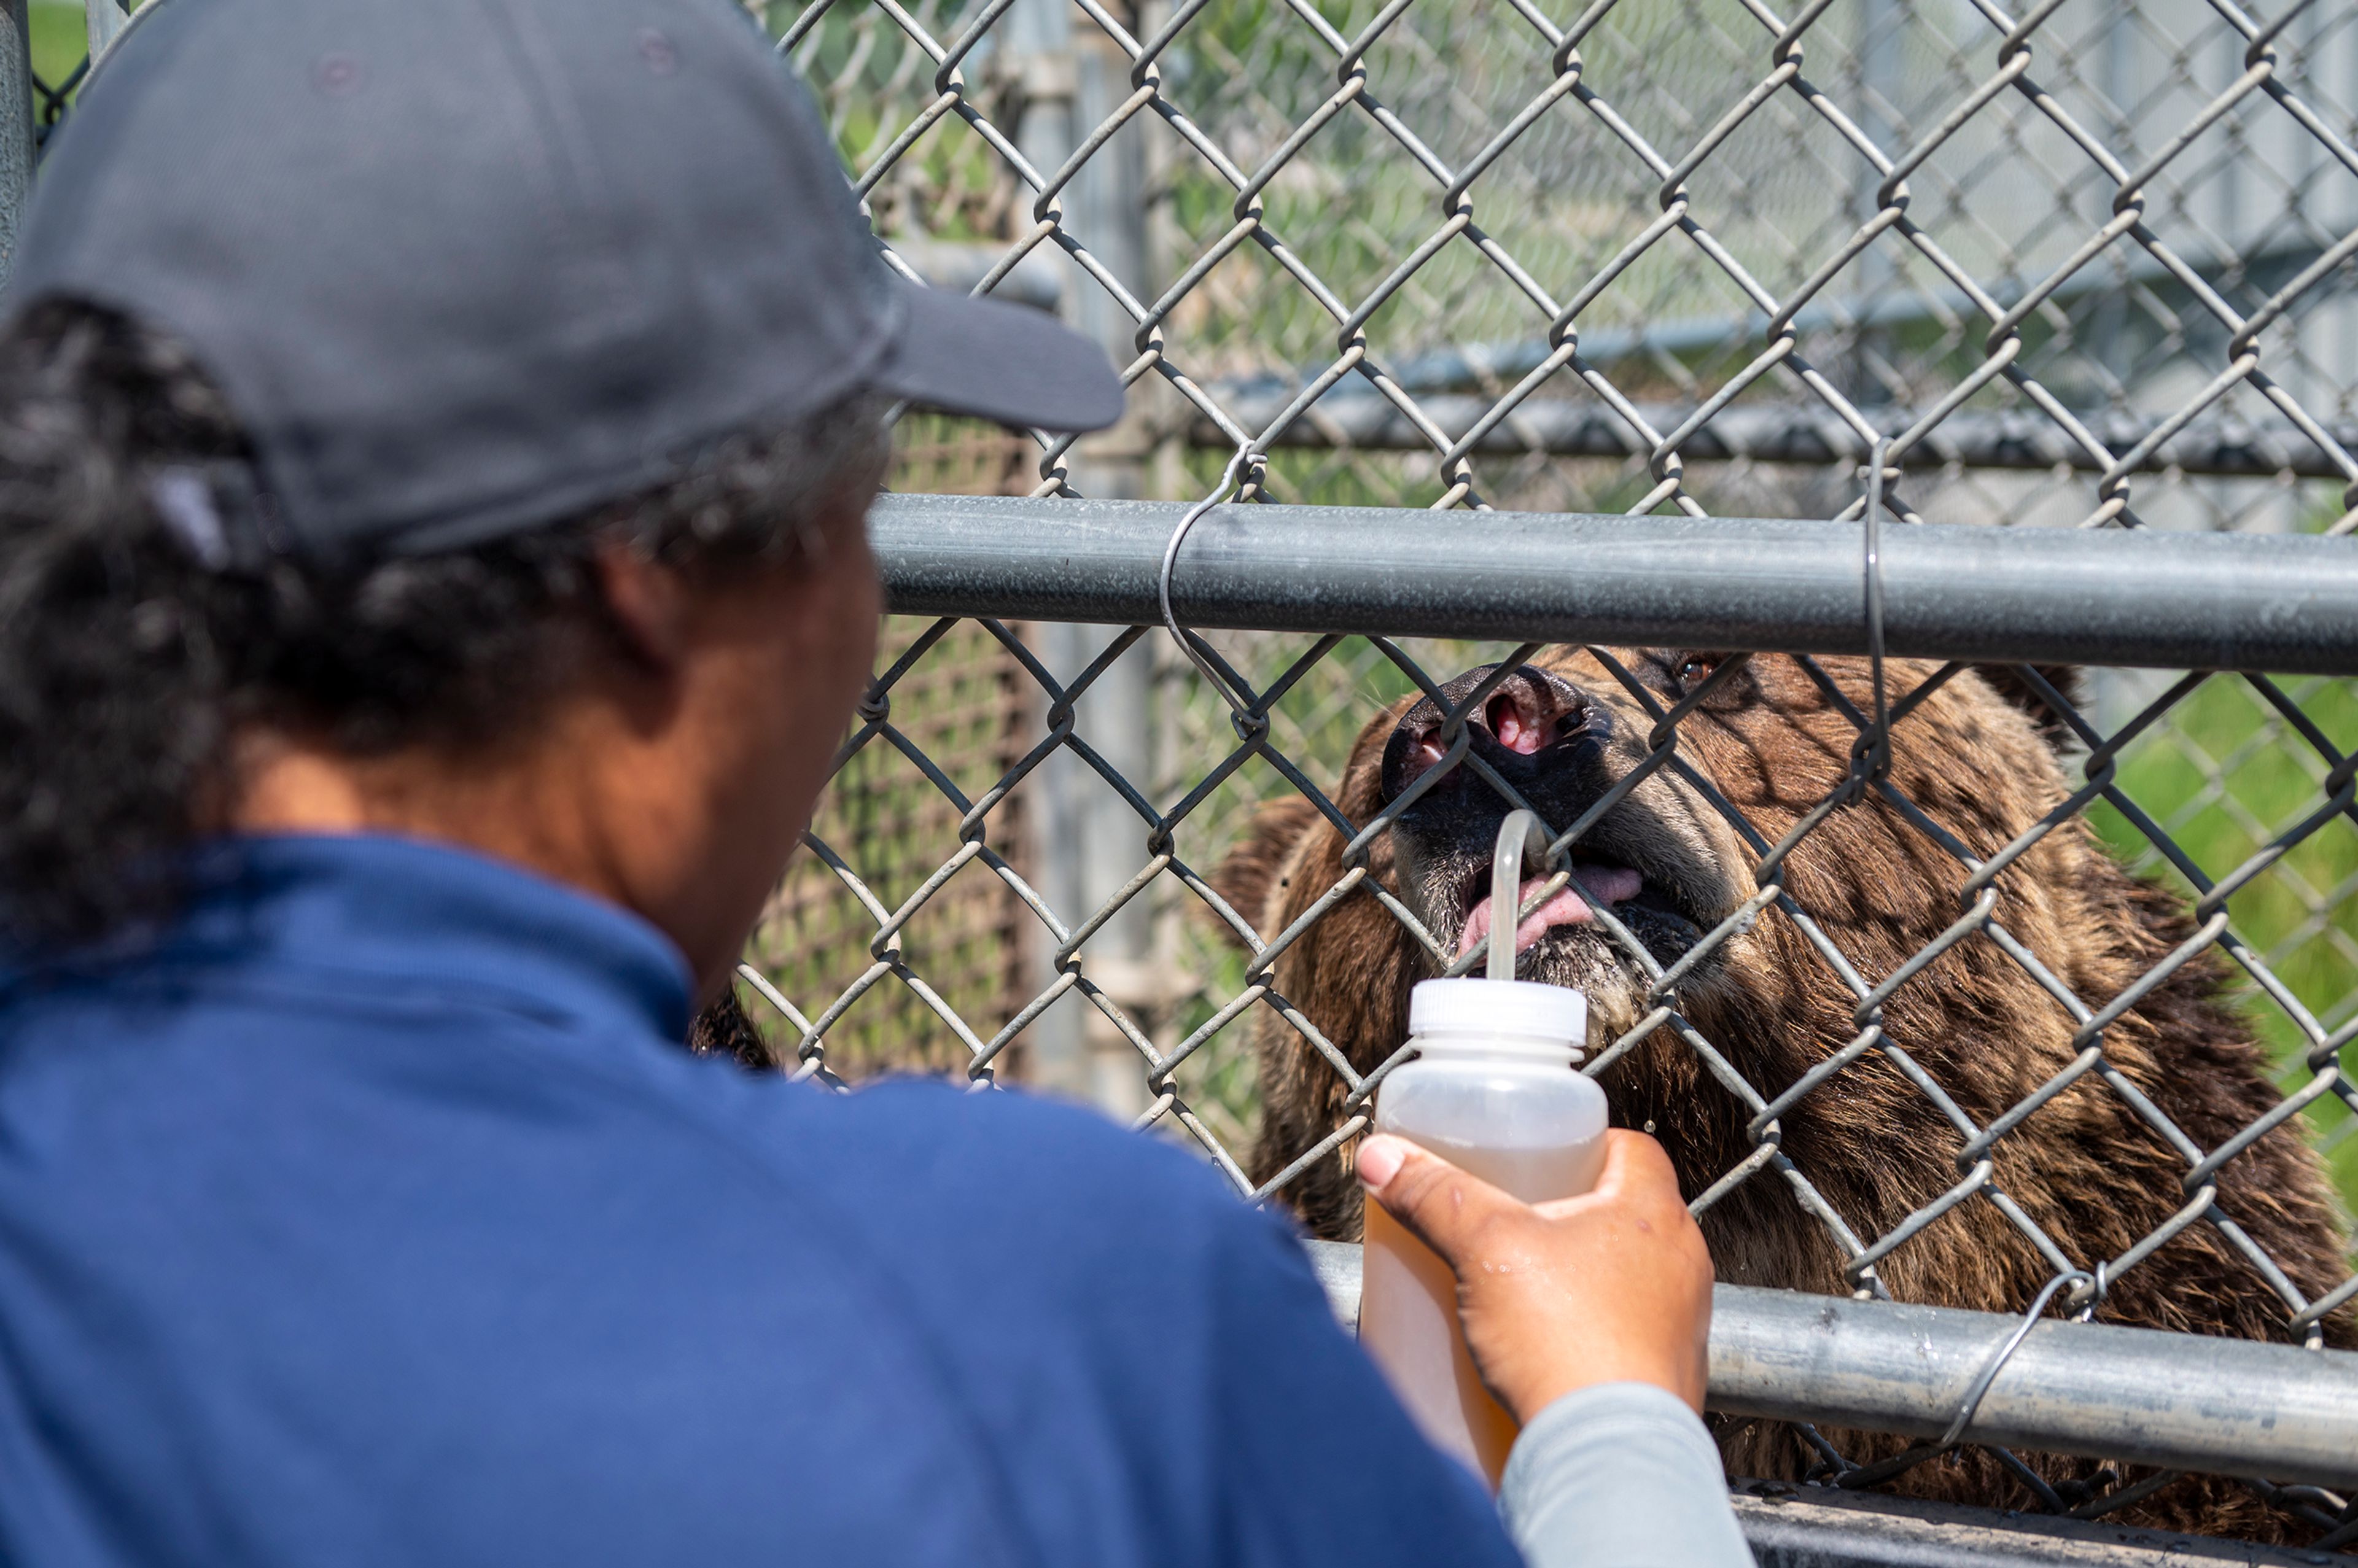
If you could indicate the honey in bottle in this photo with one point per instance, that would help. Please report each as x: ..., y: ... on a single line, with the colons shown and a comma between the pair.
x: 1492, y: 1090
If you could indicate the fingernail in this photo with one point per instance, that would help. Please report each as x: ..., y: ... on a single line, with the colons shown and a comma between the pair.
x: 1379, y: 1161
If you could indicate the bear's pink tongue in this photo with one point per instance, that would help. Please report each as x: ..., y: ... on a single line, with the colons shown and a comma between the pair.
x: 1613, y: 884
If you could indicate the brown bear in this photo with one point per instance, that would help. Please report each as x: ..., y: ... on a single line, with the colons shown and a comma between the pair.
x: 1772, y: 738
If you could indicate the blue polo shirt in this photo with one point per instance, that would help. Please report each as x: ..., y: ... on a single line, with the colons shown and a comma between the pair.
x: 373, y: 1216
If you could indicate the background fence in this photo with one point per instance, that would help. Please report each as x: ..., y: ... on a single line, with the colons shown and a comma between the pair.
x: 2082, y: 265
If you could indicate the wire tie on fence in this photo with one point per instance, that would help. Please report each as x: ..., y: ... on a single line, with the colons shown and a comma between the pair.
x: 2084, y: 1311
x: 1230, y: 479
x: 1981, y: 1387
x: 1878, y: 751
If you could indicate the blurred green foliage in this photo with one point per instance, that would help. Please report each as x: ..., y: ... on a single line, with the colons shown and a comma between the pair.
x: 2223, y: 776
x: 60, y: 38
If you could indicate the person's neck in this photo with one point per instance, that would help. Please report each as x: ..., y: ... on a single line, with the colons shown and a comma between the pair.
x: 507, y: 805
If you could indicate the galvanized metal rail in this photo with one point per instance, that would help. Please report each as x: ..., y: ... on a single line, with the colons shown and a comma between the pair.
x: 2232, y: 1407
x: 2164, y: 600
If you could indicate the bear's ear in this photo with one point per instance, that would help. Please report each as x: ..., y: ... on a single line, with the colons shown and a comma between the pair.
x: 1249, y: 874
x: 2014, y: 683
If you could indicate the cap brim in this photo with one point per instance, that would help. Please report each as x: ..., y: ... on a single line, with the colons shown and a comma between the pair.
x: 959, y: 354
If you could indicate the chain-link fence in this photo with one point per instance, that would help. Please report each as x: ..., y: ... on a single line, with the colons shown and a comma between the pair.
x: 964, y: 705
x: 1564, y: 261
x: 1946, y: 979
x: 1909, y: 1025
x: 1469, y: 254
x: 2089, y: 264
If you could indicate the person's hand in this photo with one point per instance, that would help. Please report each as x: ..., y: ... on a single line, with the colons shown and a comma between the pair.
x: 1612, y: 1286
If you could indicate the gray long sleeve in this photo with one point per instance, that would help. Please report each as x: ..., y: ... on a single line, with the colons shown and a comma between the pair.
x: 1620, y: 1476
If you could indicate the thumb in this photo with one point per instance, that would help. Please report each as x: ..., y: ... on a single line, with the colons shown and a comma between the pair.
x: 1440, y: 1205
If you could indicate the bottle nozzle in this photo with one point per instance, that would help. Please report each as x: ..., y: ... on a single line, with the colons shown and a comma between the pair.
x: 1522, y: 840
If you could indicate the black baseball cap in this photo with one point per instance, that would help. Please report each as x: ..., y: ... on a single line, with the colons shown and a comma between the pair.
x: 466, y: 266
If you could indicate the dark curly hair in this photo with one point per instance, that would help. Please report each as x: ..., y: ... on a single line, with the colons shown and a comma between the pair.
x: 129, y: 661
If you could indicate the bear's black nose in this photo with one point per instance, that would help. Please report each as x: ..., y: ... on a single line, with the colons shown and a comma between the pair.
x: 1523, y: 715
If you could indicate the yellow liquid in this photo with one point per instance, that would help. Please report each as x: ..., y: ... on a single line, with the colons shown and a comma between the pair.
x: 1407, y: 1303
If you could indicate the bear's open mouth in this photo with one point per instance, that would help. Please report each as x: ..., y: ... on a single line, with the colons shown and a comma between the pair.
x: 1571, y: 912
x: 1607, y: 885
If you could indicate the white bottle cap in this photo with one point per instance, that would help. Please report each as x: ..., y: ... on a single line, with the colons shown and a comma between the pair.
x: 1522, y: 1008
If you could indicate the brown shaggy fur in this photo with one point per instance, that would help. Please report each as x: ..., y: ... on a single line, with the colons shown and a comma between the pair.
x: 1975, y: 757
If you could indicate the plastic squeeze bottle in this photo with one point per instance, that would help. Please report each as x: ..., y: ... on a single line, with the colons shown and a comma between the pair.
x: 1493, y: 1091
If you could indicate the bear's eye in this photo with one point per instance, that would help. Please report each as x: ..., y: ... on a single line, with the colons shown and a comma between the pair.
x: 1692, y: 669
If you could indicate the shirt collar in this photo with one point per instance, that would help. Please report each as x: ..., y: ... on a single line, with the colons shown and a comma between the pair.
x: 380, y: 907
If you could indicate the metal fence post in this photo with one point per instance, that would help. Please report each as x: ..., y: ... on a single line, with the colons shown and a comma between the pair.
x: 16, y: 124
x: 106, y: 18
x: 1089, y: 841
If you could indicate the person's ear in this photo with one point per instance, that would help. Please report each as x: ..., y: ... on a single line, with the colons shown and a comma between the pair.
x: 648, y: 602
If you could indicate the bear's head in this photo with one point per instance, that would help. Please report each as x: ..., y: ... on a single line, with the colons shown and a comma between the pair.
x: 1681, y: 822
